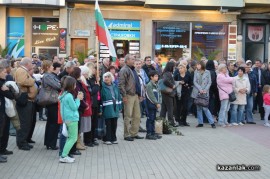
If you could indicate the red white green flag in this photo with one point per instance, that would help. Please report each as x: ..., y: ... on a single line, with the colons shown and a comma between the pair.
x: 103, y: 33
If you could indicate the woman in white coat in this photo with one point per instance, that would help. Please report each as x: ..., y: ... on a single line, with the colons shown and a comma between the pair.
x: 241, y: 87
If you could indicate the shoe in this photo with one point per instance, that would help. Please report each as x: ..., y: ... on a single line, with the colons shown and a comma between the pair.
x: 3, y: 156
x: 6, y: 152
x: 213, y: 125
x: 241, y: 124
x: 234, y: 124
x: 31, y: 141
x: 66, y: 160
x: 108, y: 143
x: 52, y: 148
x: 115, y: 142
x: 129, y: 139
x: 251, y: 122
x: 30, y: 146
x: 158, y: 136
x: 175, y: 125
x: 151, y: 137
x: 77, y: 152
x: 25, y: 147
x: 199, y: 125
x: 90, y: 144
x: 3, y: 160
x: 229, y: 125
x: 186, y: 124
x: 70, y: 155
x: 142, y: 129
x: 96, y: 143
x: 137, y: 137
x: 266, y: 124
x: 80, y: 145
x: 222, y: 125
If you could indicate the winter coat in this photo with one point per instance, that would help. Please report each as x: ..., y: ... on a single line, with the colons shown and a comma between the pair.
x: 240, y: 83
x: 225, y: 85
x: 153, y: 96
x: 127, y: 83
x: 110, y: 107
x: 201, y: 81
x: 169, y: 82
x: 95, y: 91
x: 69, y: 107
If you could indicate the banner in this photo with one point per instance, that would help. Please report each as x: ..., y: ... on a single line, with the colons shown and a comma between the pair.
x: 62, y: 40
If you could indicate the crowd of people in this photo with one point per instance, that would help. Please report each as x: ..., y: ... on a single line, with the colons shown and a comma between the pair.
x: 99, y: 91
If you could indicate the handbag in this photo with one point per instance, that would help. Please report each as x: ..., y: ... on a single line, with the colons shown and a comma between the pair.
x: 64, y: 130
x: 202, y: 100
x: 9, y: 108
x: 232, y: 96
x: 159, y: 126
x: 47, y: 96
x: 163, y: 88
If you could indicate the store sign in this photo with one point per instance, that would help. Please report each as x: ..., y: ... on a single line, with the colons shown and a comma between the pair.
x: 82, y: 33
x: 232, y: 42
x: 62, y: 41
x: 125, y: 35
x: 255, y: 33
x: 122, y: 25
x: 45, y: 34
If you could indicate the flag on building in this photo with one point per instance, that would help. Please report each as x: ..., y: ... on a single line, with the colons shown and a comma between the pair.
x: 103, y: 33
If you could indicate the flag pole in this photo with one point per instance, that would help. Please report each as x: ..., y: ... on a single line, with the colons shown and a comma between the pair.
x: 97, y: 52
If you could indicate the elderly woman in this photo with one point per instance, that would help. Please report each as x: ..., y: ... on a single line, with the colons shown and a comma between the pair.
x: 241, y: 87
x: 51, y: 80
x: 202, y: 83
x: 225, y: 87
x: 111, y: 107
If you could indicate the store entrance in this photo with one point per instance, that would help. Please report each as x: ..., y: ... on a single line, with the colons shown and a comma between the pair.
x: 78, y: 46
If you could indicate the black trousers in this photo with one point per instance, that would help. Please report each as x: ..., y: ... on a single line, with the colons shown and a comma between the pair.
x: 167, y: 106
x: 52, y: 126
x: 259, y: 99
x: 111, y: 126
x: 88, y: 137
x: 5, y: 134
x: 181, y: 111
x: 26, y: 116
x: 33, y: 123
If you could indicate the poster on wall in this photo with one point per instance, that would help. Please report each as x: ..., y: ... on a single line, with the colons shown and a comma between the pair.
x: 232, y: 42
x: 15, y: 36
x: 62, y: 40
x: 210, y: 38
x: 45, y: 34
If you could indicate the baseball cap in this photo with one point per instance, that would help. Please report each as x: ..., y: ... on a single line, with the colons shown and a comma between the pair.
x: 248, y: 61
x: 91, y: 57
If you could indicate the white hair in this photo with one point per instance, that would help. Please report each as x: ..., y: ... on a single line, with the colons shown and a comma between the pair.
x: 25, y: 61
x: 221, y: 67
x: 84, y: 70
x: 69, y: 64
x: 108, y: 74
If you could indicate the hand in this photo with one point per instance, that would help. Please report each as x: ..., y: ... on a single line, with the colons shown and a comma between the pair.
x: 4, y: 88
x: 80, y: 96
x: 255, y: 94
x: 182, y: 82
x: 125, y: 99
x: 100, y: 113
x: 174, y: 86
x: 158, y: 105
x: 201, y: 91
x: 141, y: 98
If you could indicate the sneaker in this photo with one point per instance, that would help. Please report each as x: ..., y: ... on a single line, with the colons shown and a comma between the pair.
x: 158, y: 136
x: 234, y: 124
x: 266, y: 124
x: 114, y: 142
x: 241, y: 124
x: 213, y: 125
x: 66, y: 160
x: 108, y: 143
x: 222, y: 125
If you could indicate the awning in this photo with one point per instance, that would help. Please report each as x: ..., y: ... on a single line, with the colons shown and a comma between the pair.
x: 195, y: 4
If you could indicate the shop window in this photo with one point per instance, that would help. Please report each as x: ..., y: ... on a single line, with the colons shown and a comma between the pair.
x: 210, y: 39
x: 171, y: 39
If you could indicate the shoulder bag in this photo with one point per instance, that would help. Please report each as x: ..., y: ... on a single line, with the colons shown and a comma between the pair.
x: 202, y: 100
x: 46, y: 96
x: 232, y: 96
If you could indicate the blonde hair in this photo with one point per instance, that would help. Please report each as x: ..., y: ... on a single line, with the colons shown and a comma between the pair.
x: 90, y: 66
x: 46, y: 64
x: 266, y: 89
x: 183, y: 66
x: 221, y: 67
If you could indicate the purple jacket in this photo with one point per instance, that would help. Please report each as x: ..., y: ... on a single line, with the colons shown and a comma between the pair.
x: 225, y: 85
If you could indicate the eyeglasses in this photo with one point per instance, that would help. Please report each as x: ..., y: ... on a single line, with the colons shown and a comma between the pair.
x: 148, y: 60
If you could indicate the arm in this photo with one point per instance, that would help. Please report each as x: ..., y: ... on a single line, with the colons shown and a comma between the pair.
x: 122, y: 82
x: 73, y: 104
x: 196, y: 85
x: 52, y: 82
x: 208, y: 85
x: 150, y: 93
x: 248, y: 86
x: 166, y: 80
x: 23, y: 79
x: 8, y: 94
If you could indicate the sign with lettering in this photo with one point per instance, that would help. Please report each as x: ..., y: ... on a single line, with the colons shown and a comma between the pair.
x: 125, y: 35
x: 122, y: 24
x: 45, y: 34
x: 62, y: 40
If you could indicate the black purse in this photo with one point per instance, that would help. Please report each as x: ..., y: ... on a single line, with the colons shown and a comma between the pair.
x: 232, y: 96
x: 202, y: 100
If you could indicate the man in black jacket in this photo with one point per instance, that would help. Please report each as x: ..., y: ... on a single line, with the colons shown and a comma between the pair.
x: 148, y: 66
x: 259, y: 98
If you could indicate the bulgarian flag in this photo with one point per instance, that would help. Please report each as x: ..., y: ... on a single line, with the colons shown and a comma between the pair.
x: 103, y: 33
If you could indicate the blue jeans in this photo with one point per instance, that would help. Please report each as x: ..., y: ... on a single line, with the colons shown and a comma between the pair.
x: 150, y: 121
x: 249, y: 107
x: 237, y: 112
x: 223, y: 112
x: 62, y: 141
x: 206, y: 112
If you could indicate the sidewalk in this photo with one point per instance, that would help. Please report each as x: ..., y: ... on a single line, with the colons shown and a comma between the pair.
x: 194, y: 155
